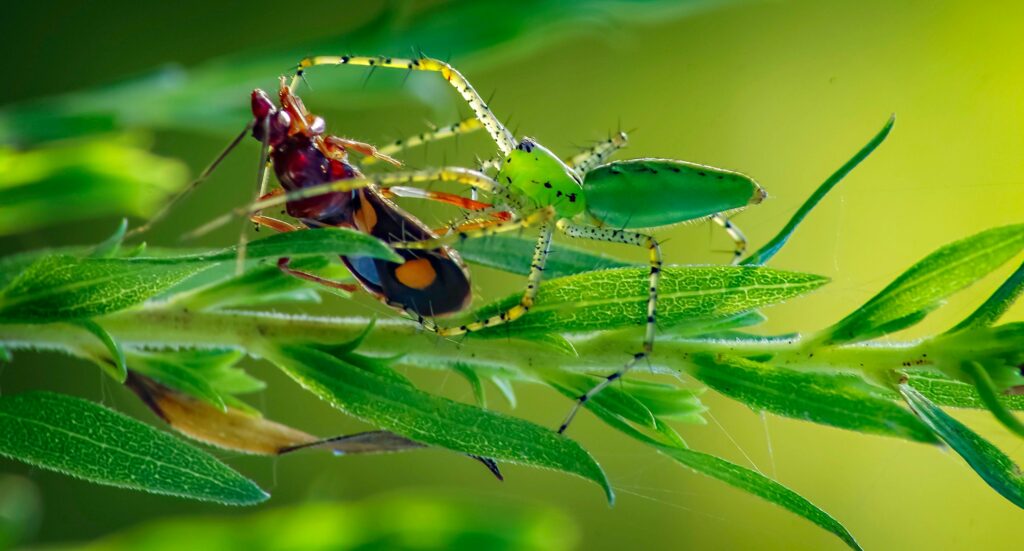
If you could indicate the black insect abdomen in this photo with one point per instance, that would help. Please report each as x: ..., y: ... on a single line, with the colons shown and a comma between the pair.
x: 430, y: 282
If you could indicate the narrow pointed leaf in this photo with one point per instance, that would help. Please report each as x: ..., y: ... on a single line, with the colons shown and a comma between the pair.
x: 997, y: 304
x: 990, y: 397
x: 112, y: 244
x: 839, y: 400
x: 434, y: 420
x: 312, y: 242
x: 610, y: 299
x: 85, y: 440
x: 761, y: 486
x: 63, y: 287
x: 263, y: 285
x: 119, y: 368
x: 474, y: 381
x: 991, y: 464
x: 775, y: 244
x: 505, y: 387
x: 612, y: 399
x: 947, y: 392
x: 922, y: 287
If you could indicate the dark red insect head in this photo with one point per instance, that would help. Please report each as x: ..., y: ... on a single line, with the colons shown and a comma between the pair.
x: 272, y: 124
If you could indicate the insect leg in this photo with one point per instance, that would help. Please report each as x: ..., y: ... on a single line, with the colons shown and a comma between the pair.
x: 739, y: 240
x: 273, y: 223
x: 501, y: 135
x: 369, y: 151
x: 283, y: 263
x: 654, y: 250
x: 588, y: 159
x: 540, y: 256
x: 462, y: 127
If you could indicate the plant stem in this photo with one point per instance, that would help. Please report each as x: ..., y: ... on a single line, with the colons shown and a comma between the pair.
x: 158, y: 326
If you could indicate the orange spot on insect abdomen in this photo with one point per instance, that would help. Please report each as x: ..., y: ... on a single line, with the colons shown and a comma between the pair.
x: 418, y: 273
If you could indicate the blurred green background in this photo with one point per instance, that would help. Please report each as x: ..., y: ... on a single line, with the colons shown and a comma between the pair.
x: 782, y: 90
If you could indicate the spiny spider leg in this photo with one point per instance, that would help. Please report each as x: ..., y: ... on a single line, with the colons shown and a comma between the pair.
x: 588, y: 159
x: 739, y: 240
x: 462, y: 127
x: 654, y: 250
x: 540, y: 255
x: 502, y: 136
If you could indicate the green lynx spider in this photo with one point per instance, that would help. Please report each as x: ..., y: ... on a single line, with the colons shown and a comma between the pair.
x: 582, y: 199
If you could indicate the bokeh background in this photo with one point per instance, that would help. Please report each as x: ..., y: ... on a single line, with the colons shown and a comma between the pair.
x: 785, y: 91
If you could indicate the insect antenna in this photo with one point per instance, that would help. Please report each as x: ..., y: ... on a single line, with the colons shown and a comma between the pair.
x: 164, y: 210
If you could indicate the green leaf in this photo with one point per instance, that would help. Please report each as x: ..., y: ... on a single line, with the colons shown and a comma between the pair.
x: 505, y: 387
x: 84, y: 180
x: 474, y: 381
x: 997, y: 304
x: 990, y: 397
x: 62, y: 287
x: 616, y: 408
x: 835, y: 399
x: 88, y: 441
x: 515, y: 254
x: 992, y: 465
x: 922, y: 287
x: 262, y: 285
x: 948, y: 392
x: 312, y: 242
x: 118, y: 370
x: 111, y: 245
x: 610, y: 299
x: 775, y: 244
x: 667, y: 401
x: 431, y: 419
x: 717, y: 325
x: 761, y: 486
x: 207, y: 374
x: 612, y: 399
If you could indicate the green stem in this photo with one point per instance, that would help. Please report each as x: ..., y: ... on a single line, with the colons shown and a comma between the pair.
x: 252, y: 332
